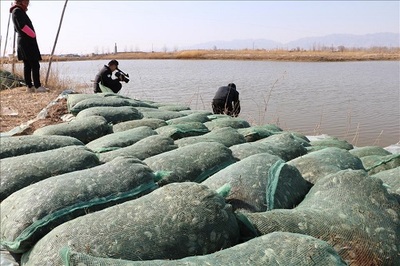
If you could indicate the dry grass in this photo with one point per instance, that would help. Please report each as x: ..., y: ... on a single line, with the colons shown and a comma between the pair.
x: 392, y: 54
x: 19, y: 107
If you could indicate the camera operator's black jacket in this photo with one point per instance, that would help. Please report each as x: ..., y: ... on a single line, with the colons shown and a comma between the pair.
x: 105, y: 78
x: 226, y: 101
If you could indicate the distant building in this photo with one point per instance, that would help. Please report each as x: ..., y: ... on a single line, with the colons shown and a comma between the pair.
x: 115, y: 49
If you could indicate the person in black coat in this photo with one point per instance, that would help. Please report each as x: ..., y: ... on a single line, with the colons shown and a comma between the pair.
x: 226, y: 101
x: 104, y: 77
x: 27, y: 46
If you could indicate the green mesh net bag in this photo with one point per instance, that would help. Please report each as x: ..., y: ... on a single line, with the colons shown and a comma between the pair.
x: 233, y: 122
x: 178, y: 131
x: 194, y: 117
x: 149, y: 109
x: 149, y: 122
x: 172, y: 222
x: 64, y: 197
x: 218, y: 116
x: 377, y: 163
x: 261, y: 182
x: 106, y: 101
x: 391, y: 180
x: 331, y: 142
x: 193, y: 162
x: 73, y: 99
x: 8, y: 80
x: 161, y: 114
x: 172, y: 107
x: 318, y: 164
x: 254, y: 133
x: 85, y: 130
x: 351, y: 211
x: 142, y: 149
x: 369, y: 150
x: 227, y: 136
x: 21, y: 171
x: 20, y: 145
x: 195, y: 111
x: 279, y: 248
x: 120, y: 139
x: 113, y: 115
x: 284, y: 145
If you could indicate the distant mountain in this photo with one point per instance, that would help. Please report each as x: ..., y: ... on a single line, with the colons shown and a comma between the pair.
x: 384, y: 39
x: 238, y: 44
x: 349, y: 41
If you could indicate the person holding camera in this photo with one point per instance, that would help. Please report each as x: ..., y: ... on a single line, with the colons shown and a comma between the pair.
x: 226, y: 101
x: 104, y: 82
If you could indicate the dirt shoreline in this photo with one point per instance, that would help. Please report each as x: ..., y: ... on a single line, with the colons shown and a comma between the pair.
x: 19, y: 107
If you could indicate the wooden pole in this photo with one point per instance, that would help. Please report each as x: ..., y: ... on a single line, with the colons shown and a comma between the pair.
x: 5, y: 43
x: 55, y: 43
x: 13, y: 55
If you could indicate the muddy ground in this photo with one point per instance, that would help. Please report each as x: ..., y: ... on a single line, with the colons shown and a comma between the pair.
x: 19, y: 106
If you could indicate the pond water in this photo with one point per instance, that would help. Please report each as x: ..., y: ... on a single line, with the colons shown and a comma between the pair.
x: 356, y: 101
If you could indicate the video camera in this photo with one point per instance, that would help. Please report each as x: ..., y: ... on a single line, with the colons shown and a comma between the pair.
x: 122, y: 76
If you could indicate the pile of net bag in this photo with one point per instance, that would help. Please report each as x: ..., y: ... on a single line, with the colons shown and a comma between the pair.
x: 272, y: 249
x: 260, y: 182
x: 64, y: 197
x: 175, y: 221
x: 351, y: 211
x: 137, y: 182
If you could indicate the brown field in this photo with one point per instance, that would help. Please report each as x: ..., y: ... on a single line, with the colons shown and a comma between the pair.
x: 372, y: 54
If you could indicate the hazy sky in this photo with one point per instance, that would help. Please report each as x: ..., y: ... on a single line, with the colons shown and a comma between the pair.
x: 95, y: 26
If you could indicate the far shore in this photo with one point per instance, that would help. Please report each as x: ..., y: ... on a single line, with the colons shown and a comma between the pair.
x: 373, y: 54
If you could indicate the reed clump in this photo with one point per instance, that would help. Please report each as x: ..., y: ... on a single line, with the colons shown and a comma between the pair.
x: 55, y: 81
x: 192, y: 54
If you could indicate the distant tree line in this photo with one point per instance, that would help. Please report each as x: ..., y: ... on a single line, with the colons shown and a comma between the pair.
x: 342, y: 48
